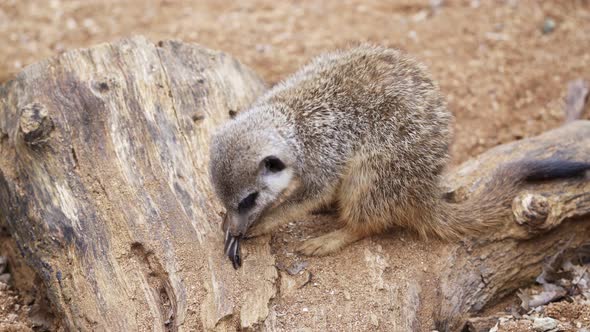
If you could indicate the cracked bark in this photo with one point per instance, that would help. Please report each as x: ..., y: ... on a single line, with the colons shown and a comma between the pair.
x: 103, y: 186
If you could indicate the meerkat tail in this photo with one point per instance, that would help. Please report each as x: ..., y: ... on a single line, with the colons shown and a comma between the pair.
x: 489, y: 209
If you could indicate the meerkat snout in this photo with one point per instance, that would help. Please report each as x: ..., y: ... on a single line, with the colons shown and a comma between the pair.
x: 270, y: 180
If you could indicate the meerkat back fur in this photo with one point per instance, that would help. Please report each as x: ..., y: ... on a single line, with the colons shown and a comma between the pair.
x: 366, y: 130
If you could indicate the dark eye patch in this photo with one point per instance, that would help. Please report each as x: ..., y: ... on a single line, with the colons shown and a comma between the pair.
x: 247, y: 203
x: 274, y: 164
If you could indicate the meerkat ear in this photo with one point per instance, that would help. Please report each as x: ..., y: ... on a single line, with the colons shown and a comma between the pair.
x: 273, y: 164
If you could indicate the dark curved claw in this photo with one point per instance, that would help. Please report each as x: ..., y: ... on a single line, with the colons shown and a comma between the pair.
x: 235, y: 255
x: 232, y: 249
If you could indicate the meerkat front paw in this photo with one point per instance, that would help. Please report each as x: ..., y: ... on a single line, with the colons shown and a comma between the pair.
x: 260, y: 228
x: 327, y: 244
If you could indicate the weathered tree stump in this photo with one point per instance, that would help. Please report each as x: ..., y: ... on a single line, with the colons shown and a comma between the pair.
x: 104, y: 187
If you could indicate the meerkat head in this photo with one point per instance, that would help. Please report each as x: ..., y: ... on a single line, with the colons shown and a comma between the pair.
x: 251, y: 165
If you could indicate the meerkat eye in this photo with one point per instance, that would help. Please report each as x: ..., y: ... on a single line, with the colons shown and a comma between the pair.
x: 273, y: 164
x: 247, y: 203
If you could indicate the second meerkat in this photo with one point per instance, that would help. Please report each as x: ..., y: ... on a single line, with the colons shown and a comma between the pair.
x: 366, y: 130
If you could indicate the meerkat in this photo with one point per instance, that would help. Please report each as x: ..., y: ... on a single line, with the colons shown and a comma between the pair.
x: 365, y: 130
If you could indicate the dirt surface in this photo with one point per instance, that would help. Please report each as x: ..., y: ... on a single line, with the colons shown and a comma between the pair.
x: 503, y: 65
x: 567, y: 316
x: 13, y: 316
x: 569, y: 311
x: 20, y: 311
x: 23, y: 305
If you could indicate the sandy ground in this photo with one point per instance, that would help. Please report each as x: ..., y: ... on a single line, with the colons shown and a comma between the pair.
x: 503, y: 65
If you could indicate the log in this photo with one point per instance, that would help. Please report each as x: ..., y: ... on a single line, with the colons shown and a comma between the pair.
x: 103, y: 185
x: 104, y: 189
x: 550, y: 219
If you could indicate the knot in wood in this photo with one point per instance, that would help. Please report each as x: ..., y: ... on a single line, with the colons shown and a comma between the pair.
x: 531, y: 209
x: 35, y: 123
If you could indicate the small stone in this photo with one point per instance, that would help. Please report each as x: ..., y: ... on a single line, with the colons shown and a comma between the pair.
x: 544, y: 324
x: 374, y: 320
x: 305, y: 309
x: 548, y: 26
x: 495, y: 328
x: 347, y: 295
x: 5, y: 278
x: 576, y: 99
x: 71, y: 24
x: 420, y: 16
x: 436, y: 4
x: 262, y: 48
x: 12, y: 317
x: 297, y: 267
x: 496, y: 36
x: 290, y: 284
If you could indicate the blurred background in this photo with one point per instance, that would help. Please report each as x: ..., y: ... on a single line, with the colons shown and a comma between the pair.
x: 504, y: 65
